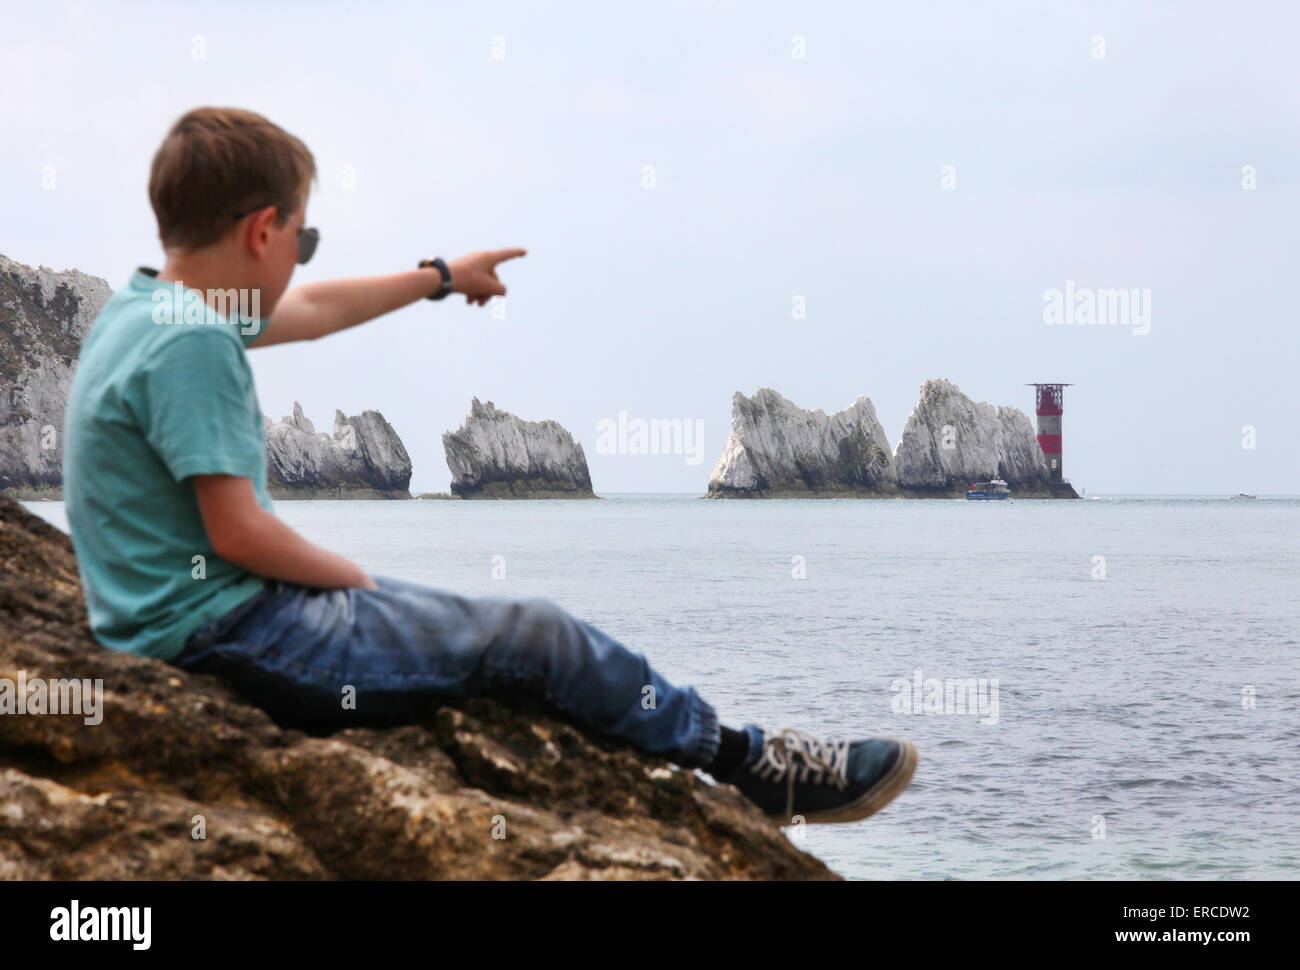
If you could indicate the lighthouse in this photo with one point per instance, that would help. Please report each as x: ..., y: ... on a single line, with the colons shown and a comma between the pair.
x: 1048, y: 407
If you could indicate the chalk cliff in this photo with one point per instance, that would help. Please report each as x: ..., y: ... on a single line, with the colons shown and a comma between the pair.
x: 778, y: 449
x: 495, y: 454
x: 44, y: 316
x: 364, y: 458
x: 950, y: 441
x: 491, y: 788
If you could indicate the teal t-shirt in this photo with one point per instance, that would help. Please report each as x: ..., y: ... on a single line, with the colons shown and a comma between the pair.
x: 162, y: 391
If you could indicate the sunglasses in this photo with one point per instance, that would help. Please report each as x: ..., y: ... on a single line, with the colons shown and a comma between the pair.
x: 308, y: 237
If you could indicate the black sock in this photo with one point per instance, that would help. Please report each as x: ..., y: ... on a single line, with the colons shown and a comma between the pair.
x: 732, y: 751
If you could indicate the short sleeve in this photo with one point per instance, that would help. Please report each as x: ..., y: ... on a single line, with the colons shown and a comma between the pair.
x: 255, y: 329
x: 200, y: 407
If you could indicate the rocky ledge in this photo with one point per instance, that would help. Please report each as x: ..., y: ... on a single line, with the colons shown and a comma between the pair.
x: 44, y: 316
x: 495, y: 454
x: 479, y: 790
x: 363, y: 459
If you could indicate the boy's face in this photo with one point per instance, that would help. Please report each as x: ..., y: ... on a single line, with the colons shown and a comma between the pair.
x: 279, y: 255
x: 257, y: 254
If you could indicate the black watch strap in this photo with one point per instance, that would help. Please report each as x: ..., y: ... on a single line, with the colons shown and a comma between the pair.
x: 441, y: 266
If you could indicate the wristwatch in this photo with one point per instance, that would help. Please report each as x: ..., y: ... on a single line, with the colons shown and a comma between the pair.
x: 441, y: 266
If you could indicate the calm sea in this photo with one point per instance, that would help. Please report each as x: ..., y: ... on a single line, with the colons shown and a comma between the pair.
x: 1143, y: 653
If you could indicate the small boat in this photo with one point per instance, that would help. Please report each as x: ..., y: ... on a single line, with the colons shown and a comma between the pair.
x: 995, y: 489
x: 1242, y: 495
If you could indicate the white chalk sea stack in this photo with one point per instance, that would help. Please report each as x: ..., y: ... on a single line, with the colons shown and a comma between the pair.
x: 951, y: 441
x: 778, y: 449
x: 495, y: 454
x: 44, y: 316
x: 363, y: 459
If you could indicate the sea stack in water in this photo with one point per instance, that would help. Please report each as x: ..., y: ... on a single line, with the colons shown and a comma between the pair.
x: 779, y: 450
x: 363, y: 459
x: 951, y: 441
x: 495, y: 454
x: 44, y: 316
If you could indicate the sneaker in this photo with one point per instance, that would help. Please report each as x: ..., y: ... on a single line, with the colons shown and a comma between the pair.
x: 799, y: 774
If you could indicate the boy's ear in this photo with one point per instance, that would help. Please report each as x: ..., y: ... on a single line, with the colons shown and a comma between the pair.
x: 254, y: 228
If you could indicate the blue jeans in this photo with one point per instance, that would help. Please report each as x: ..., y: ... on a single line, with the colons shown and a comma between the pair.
x: 295, y: 650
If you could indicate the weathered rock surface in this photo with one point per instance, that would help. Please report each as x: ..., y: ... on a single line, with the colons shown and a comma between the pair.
x: 121, y: 799
x: 495, y: 454
x: 44, y: 316
x: 950, y: 441
x: 364, y: 458
x: 778, y: 449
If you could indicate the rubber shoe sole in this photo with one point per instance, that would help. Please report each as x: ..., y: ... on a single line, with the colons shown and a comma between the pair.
x: 884, y: 791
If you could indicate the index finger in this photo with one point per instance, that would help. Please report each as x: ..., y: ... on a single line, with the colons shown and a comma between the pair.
x: 501, y: 255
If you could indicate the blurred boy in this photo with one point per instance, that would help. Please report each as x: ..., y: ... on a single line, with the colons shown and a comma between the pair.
x: 165, y: 462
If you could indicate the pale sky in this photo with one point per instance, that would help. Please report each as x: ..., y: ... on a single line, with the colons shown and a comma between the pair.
x: 443, y: 128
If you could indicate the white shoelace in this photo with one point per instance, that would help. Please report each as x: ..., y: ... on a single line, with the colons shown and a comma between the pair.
x: 793, y: 754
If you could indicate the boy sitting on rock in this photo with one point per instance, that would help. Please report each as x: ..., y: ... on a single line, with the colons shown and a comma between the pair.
x: 182, y: 556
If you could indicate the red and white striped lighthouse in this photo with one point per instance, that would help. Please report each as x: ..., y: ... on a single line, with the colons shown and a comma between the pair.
x: 1049, y: 406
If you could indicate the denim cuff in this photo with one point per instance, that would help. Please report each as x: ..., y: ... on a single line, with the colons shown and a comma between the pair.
x: 709, y: 735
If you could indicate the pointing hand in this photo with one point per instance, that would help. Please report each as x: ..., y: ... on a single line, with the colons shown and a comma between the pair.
x: 475, y: 275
